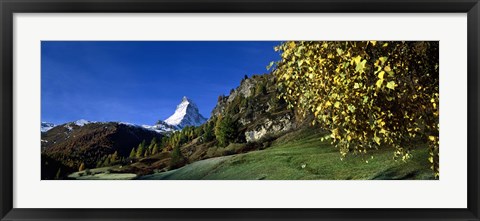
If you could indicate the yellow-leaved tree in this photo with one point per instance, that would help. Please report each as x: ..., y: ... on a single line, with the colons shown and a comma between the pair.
x: 368, y: 94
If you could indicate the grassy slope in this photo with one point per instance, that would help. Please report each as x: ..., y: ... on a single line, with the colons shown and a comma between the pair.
x: 102, y: 174
x: 302, y: 156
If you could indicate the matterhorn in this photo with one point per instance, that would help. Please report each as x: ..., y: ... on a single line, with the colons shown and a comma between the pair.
x: 186, y: 114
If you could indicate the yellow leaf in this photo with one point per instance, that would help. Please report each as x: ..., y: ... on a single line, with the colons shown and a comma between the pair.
x: 432, y: 138
x: 382, y: 59
x: 391, y: 85
x: 328, y: 104
x: 351, y: 108
x: 379, y: 83
x: 337, y: 104
x: 373, y: 42
x: 356, y: 85
x: 376, y: 139
x: 387, y: 68
x: 385, y: 45
x: 357, y: 59
x: 361, y: 66
x: 339, y: 51
x: 430, y: 159
x: 380, y: 75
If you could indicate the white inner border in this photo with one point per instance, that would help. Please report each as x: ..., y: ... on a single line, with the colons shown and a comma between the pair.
x: 449, y: 192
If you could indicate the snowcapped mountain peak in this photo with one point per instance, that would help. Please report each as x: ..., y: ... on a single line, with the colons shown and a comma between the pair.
x: 186, y: 114
x: 45, y: 126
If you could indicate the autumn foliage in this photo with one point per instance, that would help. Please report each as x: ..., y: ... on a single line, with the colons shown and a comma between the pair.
x: 368, y: 94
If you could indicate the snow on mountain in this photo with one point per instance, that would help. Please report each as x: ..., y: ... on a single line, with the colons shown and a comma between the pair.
x: 45, y: 126
x: 157, y: 127
x: 82, y: 122
x: 186, y: 114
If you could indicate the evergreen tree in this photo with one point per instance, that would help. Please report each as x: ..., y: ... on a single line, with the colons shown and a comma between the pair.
x: 140, y: 149
x: 177, y: 158
x: 152, y: 144
x: 147, y: 153
x: 208, y: 132
x: 225, y: 130
x: 133, y: 153
x: 114, y: 157
x: 155, y: 149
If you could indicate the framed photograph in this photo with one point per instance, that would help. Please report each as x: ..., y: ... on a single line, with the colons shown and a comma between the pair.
x: 200, y: 110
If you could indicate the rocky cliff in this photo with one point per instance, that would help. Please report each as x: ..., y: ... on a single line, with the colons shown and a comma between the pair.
x: 255, y: 105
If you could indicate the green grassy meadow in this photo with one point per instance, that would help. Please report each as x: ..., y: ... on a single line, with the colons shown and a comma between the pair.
x: 301, y: 155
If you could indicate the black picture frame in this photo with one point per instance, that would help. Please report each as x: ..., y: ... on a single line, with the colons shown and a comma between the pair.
x: 9, y: 7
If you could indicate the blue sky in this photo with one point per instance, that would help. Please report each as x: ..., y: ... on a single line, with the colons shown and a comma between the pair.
x: 141, y: 82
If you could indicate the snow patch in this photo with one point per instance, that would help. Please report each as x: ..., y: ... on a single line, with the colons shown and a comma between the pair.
x: 45, y: 126
x: 82, y: 122
x: 147, y: 127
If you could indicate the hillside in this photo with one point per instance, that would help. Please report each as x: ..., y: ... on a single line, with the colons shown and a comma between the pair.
x: 301, y: 155
x: 69, y: 145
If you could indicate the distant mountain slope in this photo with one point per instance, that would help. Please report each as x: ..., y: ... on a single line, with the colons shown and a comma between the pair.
x: 88, y: 142
x: 186, y: 114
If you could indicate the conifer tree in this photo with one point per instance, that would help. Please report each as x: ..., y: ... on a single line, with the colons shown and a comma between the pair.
x: 140, y: 150
x: 155, y: 149
x: 114, y: 157
x: 147, y: 153
x: 152, y: 144
x: 225, y: 130
x: 132, y: 153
